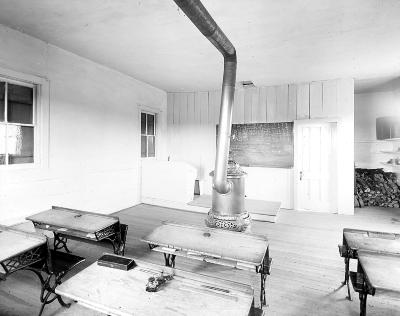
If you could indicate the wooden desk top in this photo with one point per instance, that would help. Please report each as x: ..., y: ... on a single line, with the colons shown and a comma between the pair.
x: 372, y: 241
x: 382, y: 272
x: 86, y: 222
x: 14, y: 242
x: 118, y: 292
x: 218, y: 243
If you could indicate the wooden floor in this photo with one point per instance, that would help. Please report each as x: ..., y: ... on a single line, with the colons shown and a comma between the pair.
x: 265, y: 211
x: 306, y: 268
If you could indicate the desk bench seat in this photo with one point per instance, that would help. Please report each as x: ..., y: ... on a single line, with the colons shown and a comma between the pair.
x: 66, y: 223
x: 378, y: 262
x: 242, y: 251
x: 378, y: 274
x: 355, y: 240
x: 31, y: 252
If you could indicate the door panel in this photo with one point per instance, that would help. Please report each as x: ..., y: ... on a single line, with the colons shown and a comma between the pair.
x: 315, y: 167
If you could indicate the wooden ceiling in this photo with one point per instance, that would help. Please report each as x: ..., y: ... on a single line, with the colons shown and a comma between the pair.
x: 277, y: 41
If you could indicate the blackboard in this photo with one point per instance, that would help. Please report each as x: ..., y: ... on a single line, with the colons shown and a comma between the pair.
x: 262, y: 144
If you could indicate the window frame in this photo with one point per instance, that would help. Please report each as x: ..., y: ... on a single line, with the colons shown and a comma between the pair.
x: 40, y: 117
x: 147, y: 135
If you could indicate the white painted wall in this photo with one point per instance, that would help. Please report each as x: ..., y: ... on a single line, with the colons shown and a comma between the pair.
x: 369, y: 106
x: 90, y: 142
x: 192, y: 118
x: 167, y: 181
x: 270, y: 184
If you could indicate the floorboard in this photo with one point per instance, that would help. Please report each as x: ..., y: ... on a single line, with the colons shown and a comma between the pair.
x: 306, y: 268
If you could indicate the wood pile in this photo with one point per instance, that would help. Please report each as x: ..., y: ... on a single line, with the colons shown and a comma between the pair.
x: 374, y: 187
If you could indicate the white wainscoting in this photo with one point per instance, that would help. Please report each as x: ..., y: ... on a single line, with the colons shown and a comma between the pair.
x: 166, y: 181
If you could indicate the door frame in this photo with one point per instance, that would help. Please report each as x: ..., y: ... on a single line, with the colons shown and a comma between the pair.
x: 296, y: 126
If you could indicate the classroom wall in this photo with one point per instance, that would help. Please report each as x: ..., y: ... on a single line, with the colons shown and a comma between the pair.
x: 192, y: 119
x: 89, y: 132
x: 369, y: 105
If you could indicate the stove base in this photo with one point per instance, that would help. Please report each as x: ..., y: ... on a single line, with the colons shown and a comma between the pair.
x: 238, y: 223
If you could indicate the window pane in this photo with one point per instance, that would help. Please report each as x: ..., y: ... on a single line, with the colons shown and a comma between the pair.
x: 144, y: 146
x: 152, y: 148
x: 143, y: 123
x: 2, y: 94
x: 19, y: 144
x: 2, y: 144
x: 20, y: 104
x: 150, y: 124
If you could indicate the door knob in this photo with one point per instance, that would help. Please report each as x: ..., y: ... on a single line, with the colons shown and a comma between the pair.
x: 301, y: 175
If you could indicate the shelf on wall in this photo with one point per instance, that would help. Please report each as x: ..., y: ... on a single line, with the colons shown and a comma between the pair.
x: 392, y: 152
x: 392, y: 140
x: 390, y: 165
x: 393, y: 164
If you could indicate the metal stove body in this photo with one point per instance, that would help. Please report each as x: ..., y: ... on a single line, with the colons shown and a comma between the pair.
x: 228, y: 210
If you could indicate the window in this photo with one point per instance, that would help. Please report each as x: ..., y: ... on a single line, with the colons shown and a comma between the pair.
x: 148, y: 134
x: 17, y: 122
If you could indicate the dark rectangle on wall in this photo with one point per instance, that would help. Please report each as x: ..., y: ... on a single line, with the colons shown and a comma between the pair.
x: 387, y: 127
x: 262, y: 144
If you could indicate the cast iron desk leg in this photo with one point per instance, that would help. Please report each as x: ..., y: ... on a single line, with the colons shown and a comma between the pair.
x: 344, y: 252
x: 119, y: 242
x: 346, y: 276
x: 264, y: 270
x: 363, y: 304
x: 262, y: 294
x: 363, y: 294
x: 121, y: 246
x: 169, y: 260
x: 47, y: 293
x: 116, y: 243
x: 60, y: 242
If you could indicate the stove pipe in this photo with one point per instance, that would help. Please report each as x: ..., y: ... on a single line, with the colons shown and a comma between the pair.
x: 226, y: 212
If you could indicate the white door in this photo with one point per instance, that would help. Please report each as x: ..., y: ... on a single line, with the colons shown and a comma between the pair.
x: 315, y: 166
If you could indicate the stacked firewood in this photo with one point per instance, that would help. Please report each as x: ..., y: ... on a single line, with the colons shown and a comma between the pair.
x: 374, y: 187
